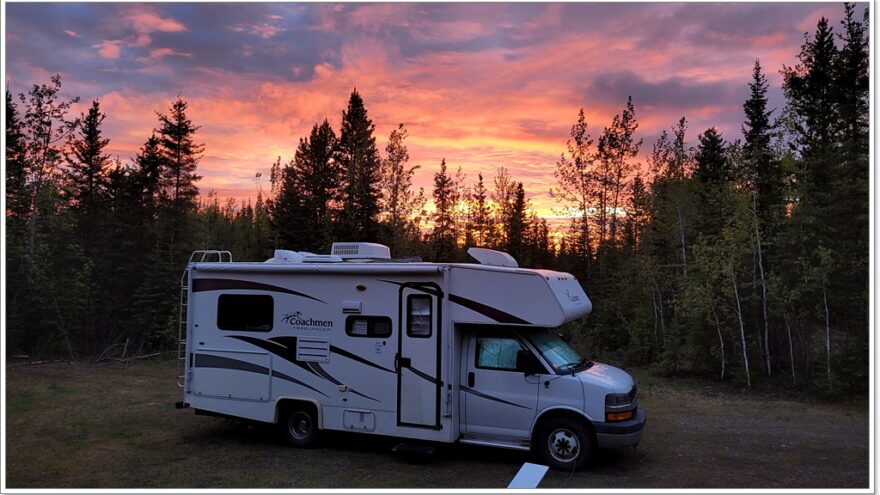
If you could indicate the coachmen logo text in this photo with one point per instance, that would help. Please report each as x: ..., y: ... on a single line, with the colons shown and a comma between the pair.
x: 297, y: 320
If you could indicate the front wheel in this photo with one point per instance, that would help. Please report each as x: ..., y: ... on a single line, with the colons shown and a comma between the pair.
x: 299, y: 428
x: 565, y: 444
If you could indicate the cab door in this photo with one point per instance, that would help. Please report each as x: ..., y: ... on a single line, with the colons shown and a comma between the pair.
x: 498, y: 399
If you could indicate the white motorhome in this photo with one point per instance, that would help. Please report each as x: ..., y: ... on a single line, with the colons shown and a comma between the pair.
x: 436, y: 352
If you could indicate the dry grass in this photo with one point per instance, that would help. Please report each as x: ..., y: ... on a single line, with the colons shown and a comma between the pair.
x: 87, y: 426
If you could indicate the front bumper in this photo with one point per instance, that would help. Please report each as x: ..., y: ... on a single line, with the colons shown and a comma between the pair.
x: 622, y: 434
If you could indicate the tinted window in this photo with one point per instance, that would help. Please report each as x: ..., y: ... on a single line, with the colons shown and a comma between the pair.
x: 497, y: 353
x: 247, y: 313
x: 368, y: 326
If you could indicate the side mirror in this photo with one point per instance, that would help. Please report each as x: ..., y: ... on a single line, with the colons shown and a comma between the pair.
x: 528, y: 363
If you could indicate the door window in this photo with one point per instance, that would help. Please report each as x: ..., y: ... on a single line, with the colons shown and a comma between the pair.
x: 419, y: 322
x: 497, y: 353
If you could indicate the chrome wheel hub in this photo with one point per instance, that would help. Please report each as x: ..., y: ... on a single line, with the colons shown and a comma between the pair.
x: 563, y: 445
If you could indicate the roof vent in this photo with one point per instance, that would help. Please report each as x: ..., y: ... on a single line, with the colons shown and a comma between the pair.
x: 492, y: 257
x: 285, y: 256
x: 360, y: 250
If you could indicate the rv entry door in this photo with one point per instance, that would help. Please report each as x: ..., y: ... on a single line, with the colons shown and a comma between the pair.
x: 418, y: 359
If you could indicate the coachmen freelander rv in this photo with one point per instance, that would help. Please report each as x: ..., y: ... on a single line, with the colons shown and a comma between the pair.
x: 438, y: 352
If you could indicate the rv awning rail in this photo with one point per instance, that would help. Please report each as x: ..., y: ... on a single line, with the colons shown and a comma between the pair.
x: 366, y: 268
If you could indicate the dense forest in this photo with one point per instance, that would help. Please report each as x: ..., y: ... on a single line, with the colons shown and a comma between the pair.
x: 746, y: 261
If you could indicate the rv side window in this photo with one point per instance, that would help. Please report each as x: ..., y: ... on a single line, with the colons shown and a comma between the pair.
x: 245, y: 313
x: 419, y: 321
x: 497, y: 353
x: 368, y: 326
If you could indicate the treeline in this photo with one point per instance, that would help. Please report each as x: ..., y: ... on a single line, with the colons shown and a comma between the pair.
x: 743, y: 260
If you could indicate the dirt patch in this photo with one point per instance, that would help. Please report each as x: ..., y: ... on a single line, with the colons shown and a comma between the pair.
x: 87, y: 426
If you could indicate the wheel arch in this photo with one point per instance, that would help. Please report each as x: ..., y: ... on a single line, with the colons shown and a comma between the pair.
x: 285, y: 402
x: 561, y: 412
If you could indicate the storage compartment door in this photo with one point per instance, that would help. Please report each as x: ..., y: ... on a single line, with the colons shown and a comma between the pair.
x: 242, y: 375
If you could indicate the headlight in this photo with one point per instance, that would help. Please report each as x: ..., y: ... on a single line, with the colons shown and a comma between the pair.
x: 617, y: 401
x: 620, y: 407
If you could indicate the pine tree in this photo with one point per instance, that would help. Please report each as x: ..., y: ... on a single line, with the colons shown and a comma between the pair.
x: 359, y: 159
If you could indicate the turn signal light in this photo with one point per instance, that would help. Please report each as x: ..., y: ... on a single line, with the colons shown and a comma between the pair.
x: 621, y: 416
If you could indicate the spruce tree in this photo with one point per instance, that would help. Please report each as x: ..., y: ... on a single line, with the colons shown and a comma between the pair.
x: 764, y: 169
x: 711, y: 168
x: 87, y: 174
x: 517, y: 226
x: 359, y: 159
x: 443, y: 234
x: 315, y: 173
x: 480, y: 214
x: 181, y: 155
x: 287, y: 212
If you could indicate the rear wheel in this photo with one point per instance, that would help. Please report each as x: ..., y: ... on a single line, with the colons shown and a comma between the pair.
x: 299, y: 427
x: 565, y: 444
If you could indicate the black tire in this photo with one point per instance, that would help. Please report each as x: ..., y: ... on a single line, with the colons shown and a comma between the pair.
x: 565, y: 444
x: 299, y: 427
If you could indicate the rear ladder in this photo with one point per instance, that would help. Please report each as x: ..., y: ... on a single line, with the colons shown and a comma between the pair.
x: 183, y: 315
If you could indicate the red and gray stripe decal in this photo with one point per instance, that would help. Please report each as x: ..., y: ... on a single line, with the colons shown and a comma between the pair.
x: 211, y: 361
x: 206, y: 284
x: 285, y: 348
x: 488, y: 311
x: 477, y: 307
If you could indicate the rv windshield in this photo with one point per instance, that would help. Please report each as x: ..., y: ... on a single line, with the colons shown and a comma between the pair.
x: 557, y: 352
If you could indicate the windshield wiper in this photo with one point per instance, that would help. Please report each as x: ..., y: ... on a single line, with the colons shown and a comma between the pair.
x: 573, y: 367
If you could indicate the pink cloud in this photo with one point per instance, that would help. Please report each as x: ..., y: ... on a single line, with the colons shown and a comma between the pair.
x: 167, y: 52
x: 72, y: 34
x: 108, y: 49
x: 144, y: 20
x: 263, y: 30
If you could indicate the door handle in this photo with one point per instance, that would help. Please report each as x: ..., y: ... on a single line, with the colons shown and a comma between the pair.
x: 471, y: 379
x: 401, y: 362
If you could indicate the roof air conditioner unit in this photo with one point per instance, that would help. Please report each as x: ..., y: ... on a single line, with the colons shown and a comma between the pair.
x: 360, y: 250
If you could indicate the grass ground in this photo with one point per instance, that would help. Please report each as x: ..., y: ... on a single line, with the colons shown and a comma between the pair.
x: 88, y: 426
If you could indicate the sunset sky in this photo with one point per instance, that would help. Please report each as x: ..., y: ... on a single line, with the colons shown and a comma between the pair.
x: 481, y: 85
